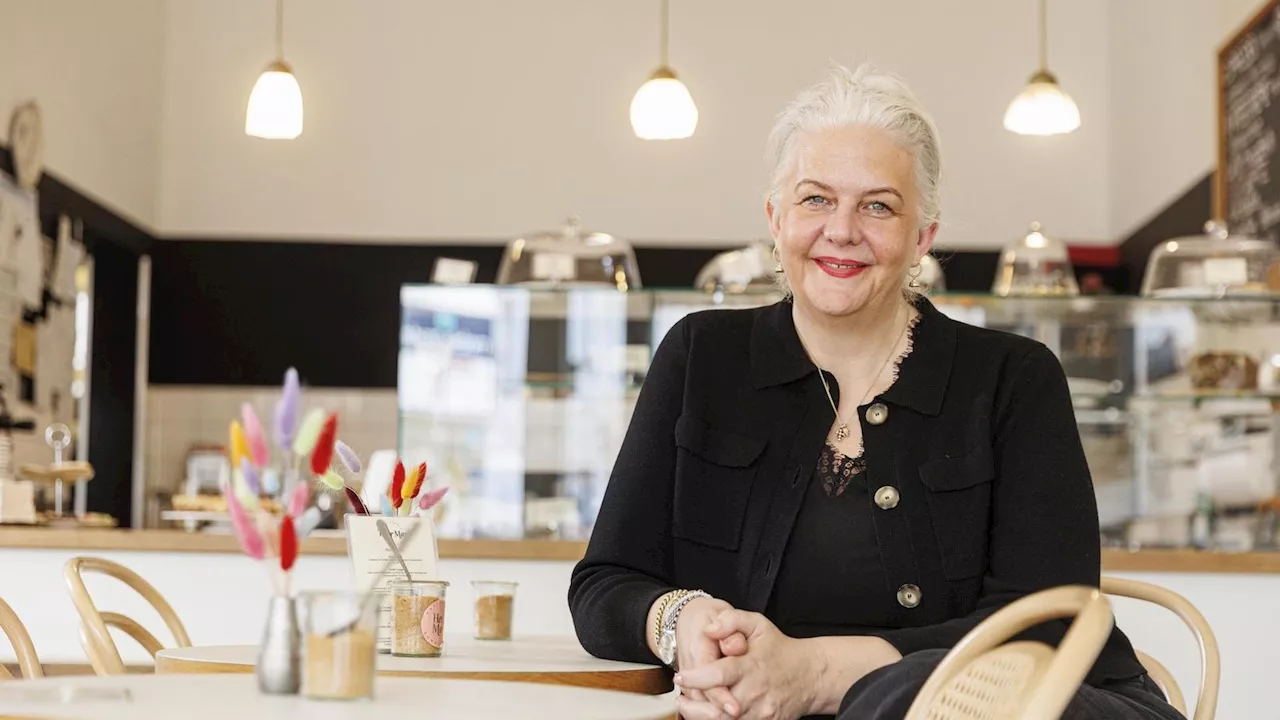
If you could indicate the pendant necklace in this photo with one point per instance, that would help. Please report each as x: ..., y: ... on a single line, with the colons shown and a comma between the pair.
x: 842, y: 430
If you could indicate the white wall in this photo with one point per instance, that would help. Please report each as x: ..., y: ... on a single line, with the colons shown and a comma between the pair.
x: 1163, y: 121
x: 95, y: 69
x: 484, y: 119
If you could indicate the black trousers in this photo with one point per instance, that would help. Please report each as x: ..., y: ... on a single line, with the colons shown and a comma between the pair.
x: 887, y: 693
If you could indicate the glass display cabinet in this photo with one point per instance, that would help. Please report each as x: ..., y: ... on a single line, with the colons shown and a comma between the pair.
x: 519, y: 398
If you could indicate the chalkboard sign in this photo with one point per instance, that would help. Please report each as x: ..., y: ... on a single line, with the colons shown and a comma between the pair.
x: 1248, y: 178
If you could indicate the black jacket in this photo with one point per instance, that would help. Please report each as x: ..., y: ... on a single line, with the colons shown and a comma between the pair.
x: 978, y: 435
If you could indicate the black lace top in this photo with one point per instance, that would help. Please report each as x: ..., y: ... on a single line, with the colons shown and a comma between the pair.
x: 832, y: 561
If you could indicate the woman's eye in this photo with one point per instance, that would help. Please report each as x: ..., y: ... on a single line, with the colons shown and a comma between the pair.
x: 879, y: 208
x: 814, y: 200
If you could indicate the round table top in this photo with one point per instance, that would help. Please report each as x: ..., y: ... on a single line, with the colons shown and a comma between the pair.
x: 549, y: 659
x: 217, y: 697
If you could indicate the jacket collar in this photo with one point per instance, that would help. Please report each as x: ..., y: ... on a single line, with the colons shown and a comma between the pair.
x: 778, y: 358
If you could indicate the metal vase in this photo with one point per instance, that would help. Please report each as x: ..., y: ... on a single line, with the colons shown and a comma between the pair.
x: 279, y: 668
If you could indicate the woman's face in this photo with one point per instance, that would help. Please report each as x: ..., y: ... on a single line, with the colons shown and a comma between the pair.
x: 846, y: 220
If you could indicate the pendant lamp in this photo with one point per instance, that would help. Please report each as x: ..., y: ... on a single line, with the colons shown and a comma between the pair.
x: 275, y: 105
x: 662, y: 108
x: 1042, y: 108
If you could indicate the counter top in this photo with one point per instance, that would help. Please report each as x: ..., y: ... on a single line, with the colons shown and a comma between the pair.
x: 332, y: 544
x: 1113, y: 560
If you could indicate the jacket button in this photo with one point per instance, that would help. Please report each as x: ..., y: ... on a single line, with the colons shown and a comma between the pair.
x: 887, y: 497
x: 908, y: 596
x: 877, y: 414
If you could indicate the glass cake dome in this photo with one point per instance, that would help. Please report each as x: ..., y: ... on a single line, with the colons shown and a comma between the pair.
x: 569, y: 257
x: 1035, y: 264
x: 736, y: 271
x: 1214, y: 265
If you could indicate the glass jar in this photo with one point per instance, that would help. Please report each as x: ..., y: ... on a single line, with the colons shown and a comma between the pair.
x: 417, y: 618
x: 569, y: 257
x: 339, y: 639
x: 495, y: 607
x: 1035, y: 265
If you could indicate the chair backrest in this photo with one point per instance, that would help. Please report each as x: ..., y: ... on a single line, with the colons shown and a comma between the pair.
x: 1210, y: 661
x: 103, y: 654
x: 983, y: 677
x: 23, y: 648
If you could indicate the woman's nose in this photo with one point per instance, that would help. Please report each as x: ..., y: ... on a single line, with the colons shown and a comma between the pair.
x: 842, y: 227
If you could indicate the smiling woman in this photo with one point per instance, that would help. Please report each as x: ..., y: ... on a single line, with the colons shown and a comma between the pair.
x: 816, y: 499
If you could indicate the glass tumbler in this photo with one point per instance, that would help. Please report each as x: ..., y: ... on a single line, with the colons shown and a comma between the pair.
x: 339, y: 639
x: 417, y: 618
x: 495, y: 606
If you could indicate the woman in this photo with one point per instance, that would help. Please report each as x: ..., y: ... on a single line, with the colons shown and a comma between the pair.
x: 816, y: 499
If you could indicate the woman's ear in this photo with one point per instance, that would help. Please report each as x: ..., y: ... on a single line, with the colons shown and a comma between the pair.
x: 924, y: 242
x: 775, y: 220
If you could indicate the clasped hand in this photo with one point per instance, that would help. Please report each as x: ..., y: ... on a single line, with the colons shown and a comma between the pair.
x: 749, y: 670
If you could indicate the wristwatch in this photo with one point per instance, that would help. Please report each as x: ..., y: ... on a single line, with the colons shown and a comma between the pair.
x: 667, y: 634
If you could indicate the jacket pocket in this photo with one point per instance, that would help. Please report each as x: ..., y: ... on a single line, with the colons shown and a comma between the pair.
x: 714, y: 472
x: 958, y: 492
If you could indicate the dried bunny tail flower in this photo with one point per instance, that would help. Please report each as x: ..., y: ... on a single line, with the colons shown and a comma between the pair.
x: 429, y: 500
x: 253, y: 435
x: 347, y: 457
x: 286, y: 416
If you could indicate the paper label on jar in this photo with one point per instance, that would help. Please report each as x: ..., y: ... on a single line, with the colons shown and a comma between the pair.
x: 1226, y: 271
x: 433, y: 624
x: 553, y: 266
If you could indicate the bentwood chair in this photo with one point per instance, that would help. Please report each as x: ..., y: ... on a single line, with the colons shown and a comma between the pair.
x: 1210, y: 662
x: 20, y: 639
x: 985, y: 677
x: 95, y: 636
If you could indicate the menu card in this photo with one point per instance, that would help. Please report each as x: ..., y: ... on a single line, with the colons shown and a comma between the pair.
x: 369, y: 552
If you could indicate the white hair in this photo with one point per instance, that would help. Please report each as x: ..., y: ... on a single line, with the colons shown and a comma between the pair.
x: 863, y: 97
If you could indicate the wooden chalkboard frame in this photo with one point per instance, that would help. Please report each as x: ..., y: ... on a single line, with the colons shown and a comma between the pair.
x: 1220, y: 177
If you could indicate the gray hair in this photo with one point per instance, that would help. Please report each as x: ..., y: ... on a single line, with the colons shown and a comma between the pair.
x: 869, y: 98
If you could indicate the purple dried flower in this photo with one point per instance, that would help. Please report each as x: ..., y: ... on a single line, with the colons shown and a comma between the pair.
x: 349, y: 459
x: 250, y: 476
x: 286, y: 418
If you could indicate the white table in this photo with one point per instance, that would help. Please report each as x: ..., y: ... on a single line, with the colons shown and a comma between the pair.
x: 541, y: 659
x: 218, y: 697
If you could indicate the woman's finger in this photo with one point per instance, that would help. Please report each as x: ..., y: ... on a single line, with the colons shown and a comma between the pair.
x: 693, y: 710
x: 733, y: 621
x: 734, y: 645
x: 721, y: 698
x: 723, y: 673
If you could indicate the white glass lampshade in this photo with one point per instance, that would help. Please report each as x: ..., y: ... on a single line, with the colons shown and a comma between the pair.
x: 1042, y: 108
x: 275, y: 105
x: 663, y: 109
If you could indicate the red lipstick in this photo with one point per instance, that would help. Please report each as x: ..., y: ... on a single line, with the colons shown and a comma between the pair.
x: 840, y: 267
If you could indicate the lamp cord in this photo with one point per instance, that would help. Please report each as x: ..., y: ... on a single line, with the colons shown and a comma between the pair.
x: 280, y: 30
x: 664, y: 34
x: 1044, y: 35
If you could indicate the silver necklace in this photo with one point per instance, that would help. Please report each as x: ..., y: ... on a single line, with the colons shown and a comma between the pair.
x: 842, y: 430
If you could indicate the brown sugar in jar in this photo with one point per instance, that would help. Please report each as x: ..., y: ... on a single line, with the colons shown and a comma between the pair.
x: 417, y: 618
x: 494, y: 607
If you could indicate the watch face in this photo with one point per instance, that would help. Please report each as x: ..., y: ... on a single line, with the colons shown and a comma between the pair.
x: 667, y: 648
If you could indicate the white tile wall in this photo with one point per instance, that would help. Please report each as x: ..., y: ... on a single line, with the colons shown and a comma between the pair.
x: 180, y: 417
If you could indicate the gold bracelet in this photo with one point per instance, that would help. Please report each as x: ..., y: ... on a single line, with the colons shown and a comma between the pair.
x: 663, y: 603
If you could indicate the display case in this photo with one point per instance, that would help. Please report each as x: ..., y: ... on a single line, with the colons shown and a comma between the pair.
x: 519, y: 398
